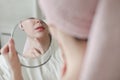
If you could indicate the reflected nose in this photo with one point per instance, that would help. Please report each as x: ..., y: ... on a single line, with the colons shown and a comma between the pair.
x: 37, y: 21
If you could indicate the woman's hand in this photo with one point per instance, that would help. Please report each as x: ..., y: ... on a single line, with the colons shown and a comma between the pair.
x: 11, y: 57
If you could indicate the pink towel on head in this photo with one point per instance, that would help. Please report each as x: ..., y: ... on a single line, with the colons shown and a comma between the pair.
x: 72, y: 16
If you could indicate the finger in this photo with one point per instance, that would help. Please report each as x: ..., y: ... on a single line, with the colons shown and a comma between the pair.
x: 37, y: 51
x: 12, y: 47
x: 32, y: 54
x: 5, y: 49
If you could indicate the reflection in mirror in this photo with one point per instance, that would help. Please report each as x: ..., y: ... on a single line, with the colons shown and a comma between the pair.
x: 33, y: 42
x: 34, y: 35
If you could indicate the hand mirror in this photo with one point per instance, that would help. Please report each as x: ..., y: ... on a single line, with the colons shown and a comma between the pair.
x: 32, y: 42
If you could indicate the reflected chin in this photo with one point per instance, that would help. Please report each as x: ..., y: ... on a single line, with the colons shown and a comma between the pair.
x: 39, y: 35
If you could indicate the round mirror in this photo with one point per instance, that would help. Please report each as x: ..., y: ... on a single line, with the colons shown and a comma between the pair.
x: 32, y: 42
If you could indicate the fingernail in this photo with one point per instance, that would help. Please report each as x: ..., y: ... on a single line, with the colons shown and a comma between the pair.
x: 11, y: 40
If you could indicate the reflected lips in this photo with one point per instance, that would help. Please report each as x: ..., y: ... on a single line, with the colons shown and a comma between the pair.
x: 40, y: 28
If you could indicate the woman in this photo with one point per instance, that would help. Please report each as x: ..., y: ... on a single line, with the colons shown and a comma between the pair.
x: 70, y: 22
x: 39, y: 44
x: 38, y: 37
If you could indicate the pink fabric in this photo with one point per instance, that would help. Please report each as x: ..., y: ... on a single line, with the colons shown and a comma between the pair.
x: 72, y: 16
x: 103, y: 54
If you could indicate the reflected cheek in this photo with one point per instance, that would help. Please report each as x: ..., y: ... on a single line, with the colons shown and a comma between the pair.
x: 29, y: 31
x: 52, y: 33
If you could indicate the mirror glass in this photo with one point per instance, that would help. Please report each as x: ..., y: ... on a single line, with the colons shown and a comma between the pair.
x: 32, y: 42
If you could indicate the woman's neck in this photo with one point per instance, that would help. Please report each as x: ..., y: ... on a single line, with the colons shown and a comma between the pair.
x: 41, y: 44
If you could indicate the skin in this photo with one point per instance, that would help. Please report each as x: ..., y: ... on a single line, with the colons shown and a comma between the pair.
x: 10, y: 55
x: 29, y: 25
x: 73, y: 53
x: 38, y: 40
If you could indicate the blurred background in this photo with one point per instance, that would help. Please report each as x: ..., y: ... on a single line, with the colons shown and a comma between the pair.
x: 12, y: 11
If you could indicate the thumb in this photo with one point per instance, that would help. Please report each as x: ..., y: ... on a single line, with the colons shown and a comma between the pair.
x: 12, y: 47
x: 4, y: 50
